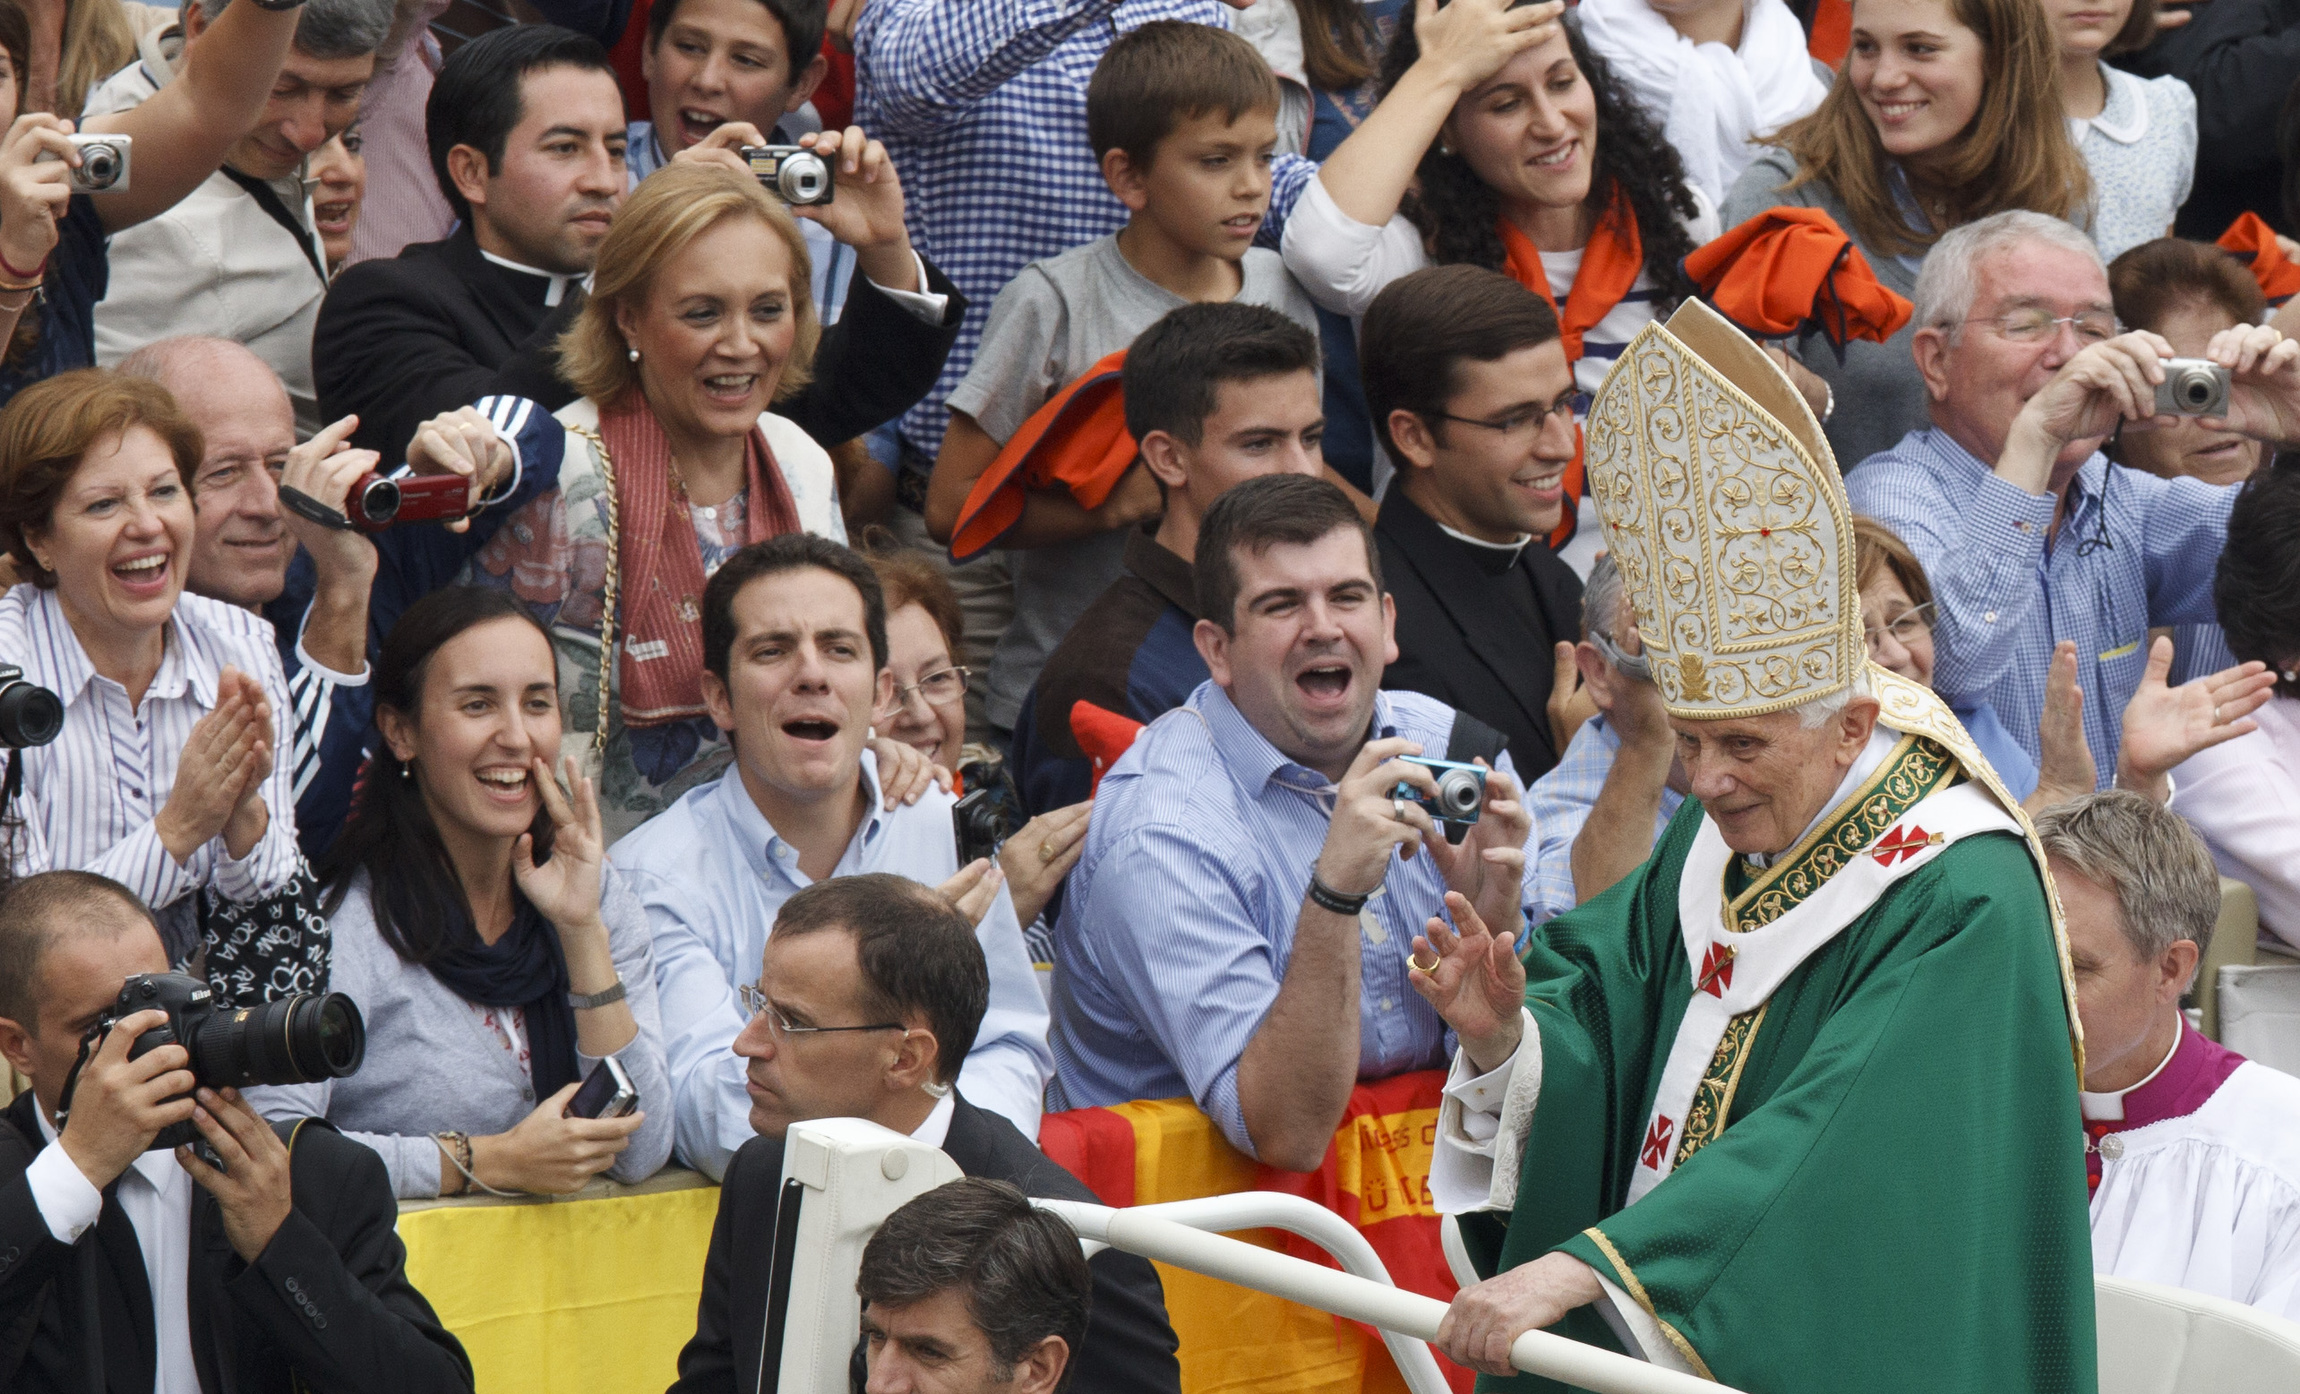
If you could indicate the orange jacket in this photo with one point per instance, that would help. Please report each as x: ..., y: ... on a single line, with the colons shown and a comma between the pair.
x: 2254, y: 243
x: 1790, y: 267
x: 1078, y: 441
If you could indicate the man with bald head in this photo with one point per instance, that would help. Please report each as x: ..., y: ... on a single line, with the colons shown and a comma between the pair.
x: 246, y: 544
x: 285, y: 1296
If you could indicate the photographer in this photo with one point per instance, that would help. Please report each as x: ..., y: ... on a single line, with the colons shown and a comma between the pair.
x: 2030, y: 536
x: 53, y: 239
x: 288, y: 1252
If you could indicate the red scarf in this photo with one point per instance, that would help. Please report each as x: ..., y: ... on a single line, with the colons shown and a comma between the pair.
x: 1610, y: 265
x: 662, y: 563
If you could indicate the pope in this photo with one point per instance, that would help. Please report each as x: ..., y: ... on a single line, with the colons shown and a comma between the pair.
x: 1794, y: 1105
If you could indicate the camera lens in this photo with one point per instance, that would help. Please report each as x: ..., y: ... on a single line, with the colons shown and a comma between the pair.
x: 802, y: 179
x: 377, y: 500
x: 1459, y: 793
x: 29, y: 714
x: 99, y: 165
x: 296, y: 1040
x: 2196, y: 389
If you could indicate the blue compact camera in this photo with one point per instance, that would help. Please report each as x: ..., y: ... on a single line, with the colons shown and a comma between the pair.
x: 1460, y: 796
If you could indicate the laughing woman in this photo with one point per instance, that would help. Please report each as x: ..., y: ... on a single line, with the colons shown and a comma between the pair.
x: 1502, y: 142
x: 699, y: 319
x: 496, y: 957
x: 1946, y: 111
x: 167, y: 775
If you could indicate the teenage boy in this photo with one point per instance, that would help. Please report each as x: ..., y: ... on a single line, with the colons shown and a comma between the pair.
x: 1215, y: 395
x: 1183, y: 118
x: 794, y: 660
x: 1472, y: 396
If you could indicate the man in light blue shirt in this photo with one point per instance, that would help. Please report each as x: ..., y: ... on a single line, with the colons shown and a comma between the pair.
x: 794, y: 658
x: 1239, y: 925
x: 2029, y: 536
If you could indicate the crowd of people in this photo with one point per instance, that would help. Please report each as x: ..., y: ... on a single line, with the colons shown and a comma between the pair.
x: 988, y: 640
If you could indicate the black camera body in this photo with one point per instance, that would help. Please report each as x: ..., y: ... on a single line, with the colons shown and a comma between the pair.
x: 29, y: 713
x: 980, y: 824
x: 296, y: 1040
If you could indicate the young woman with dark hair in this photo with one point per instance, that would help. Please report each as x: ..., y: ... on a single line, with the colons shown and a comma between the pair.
x: 1945, y: 111
x: 497, y: 958
x: 1501, y: 141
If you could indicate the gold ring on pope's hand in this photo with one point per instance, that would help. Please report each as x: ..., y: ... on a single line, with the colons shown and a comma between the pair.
x: 1416, y: 962
x: 1046, y: 854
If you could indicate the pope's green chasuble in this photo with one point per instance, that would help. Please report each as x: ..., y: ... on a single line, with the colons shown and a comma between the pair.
x: 1856, y: 1170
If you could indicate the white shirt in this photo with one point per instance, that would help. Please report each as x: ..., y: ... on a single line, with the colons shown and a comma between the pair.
x: 91, y: 797
x: 2244, y: 797
x: 936, y: 1129
x: 155, y: 1194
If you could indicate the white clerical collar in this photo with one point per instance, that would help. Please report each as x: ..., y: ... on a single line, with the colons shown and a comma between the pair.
x: 2109, y: 1107
x: 1512, y: 548
x: 559, y: 281
x: 936, y: 1129
x: 1881, y: 743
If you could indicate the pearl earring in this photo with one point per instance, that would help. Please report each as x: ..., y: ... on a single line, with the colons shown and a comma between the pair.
x: 407, y: 771
x: 634, y: 355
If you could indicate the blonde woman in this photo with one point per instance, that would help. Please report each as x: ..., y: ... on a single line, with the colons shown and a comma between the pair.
x: 1945, y: 112
x: 699, y: 319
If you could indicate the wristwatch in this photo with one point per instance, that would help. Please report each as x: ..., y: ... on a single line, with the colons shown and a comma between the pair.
x: 580, y: 1002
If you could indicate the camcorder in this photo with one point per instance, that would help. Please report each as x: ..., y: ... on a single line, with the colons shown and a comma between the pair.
x: 380, y: 501
x: 301, y: 1039
x: 103, y: 163
x: 792, y: 173
x: 2192, y: 387
x: 1460, y: 796
x: 29, y: 713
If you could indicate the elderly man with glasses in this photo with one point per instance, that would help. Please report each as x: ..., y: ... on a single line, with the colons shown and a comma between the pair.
x: 795, y: 662
x: 2033, y: 542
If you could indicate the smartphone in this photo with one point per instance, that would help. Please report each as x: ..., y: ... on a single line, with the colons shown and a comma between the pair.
x: 608, y: 1093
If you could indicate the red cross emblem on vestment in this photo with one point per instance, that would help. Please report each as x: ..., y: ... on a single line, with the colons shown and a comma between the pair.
x: 1656, y: 1148
x: 1903, y: 842
x: 1717, y: 970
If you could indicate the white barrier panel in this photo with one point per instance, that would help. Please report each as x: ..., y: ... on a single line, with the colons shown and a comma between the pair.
x: 841, y: 1178
x: 1139, y: 1231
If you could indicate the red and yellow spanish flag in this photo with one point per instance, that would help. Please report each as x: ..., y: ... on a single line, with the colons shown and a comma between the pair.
x: 1376, y: 1175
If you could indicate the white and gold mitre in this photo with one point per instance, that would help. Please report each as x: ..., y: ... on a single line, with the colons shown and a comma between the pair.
x: 1724, y: 510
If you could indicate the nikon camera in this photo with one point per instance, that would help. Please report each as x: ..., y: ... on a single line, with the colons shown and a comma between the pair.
x: 296, y: 1040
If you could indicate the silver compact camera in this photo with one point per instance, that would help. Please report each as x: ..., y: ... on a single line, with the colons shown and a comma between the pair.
x: 792, y: 173
x: 103, y: 163
x: 2192, y: 387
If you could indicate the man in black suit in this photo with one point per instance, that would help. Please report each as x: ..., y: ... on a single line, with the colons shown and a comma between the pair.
x: 528, y: 141
x: 281, y: 1271
x: 1473, y: 398
x: 867, y: 1002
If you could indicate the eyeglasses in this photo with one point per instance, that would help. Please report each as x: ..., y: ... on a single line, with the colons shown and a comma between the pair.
x: 2035, y: 325
x: 940, y: 688
x: 756, y: 1005
x: 1907, y: 627
x: 1634, y: 666
x: 1524, y: 418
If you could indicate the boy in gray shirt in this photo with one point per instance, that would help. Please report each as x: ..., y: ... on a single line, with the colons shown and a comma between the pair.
x: 1183, y: 118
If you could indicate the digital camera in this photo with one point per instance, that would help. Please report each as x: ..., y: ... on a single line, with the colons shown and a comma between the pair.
x: 296, y: 1040
x: 979, y: 822
x: 379, y: 501
x: 103, y: 163
x: 2192, y: 387
x: 1460, y: 796
x: 29, y: 713
x: 792, y: 173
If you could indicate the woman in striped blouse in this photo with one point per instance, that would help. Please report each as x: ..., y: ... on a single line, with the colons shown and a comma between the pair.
x: 167, y: 776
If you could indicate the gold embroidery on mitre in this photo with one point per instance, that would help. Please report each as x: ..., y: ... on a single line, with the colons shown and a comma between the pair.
x: 1722, y: 506
x: 1713, y: 1097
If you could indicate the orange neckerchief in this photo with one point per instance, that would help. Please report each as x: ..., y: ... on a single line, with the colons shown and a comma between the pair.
x: 1610, y: 265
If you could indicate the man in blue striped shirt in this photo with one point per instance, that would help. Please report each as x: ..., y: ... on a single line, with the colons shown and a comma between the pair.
x: 2028, y: 535
x: 1239, y: 926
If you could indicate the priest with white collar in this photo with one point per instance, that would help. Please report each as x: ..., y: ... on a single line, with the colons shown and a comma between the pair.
x: 2192, y: 1152
x: 1791, y: 1106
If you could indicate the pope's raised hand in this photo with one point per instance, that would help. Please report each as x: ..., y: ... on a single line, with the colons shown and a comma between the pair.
x: 1477, y: 985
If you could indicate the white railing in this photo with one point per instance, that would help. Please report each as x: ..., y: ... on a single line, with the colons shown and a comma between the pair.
x: 1175, y: 1233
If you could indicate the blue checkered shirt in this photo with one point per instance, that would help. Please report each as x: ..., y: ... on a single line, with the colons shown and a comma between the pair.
x: 982, y: 106
x: 2004, y: 598
x: 1178, y: 922
x: 1560, y: 802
